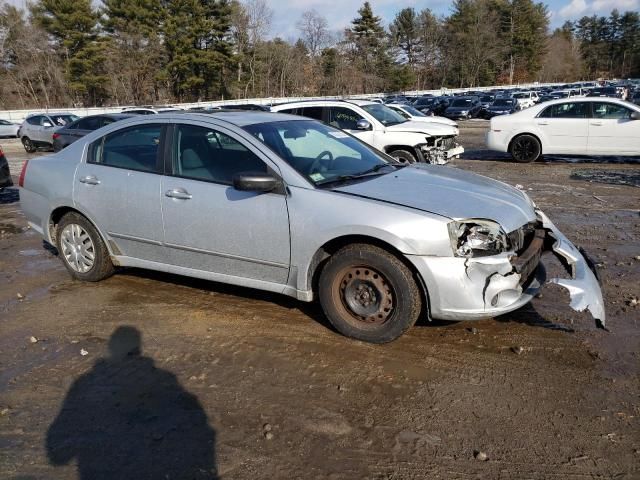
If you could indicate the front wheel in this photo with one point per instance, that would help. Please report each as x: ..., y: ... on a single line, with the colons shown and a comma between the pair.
x: 369, y: 294
x: 525, y: 149
x: 82, y: 250
x: 403, y: 156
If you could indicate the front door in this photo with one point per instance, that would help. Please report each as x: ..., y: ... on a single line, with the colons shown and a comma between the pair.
x: 208, y: 224
x: 347, y: 119
x: 611, y: 130
x: 118, y: 187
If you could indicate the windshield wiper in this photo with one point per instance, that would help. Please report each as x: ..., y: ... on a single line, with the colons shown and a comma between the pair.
x: 366, y: 173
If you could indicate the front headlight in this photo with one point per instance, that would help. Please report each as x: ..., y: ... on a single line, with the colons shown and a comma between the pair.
x: 464, y: 112
x: 477, y: 238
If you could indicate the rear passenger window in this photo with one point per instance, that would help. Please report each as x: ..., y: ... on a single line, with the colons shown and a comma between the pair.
x: 34, y: 120
x: 566, y: 110
x: 204, y: 154
x: 312, y: 112
x: 91, y: 123
x: 133, y: 148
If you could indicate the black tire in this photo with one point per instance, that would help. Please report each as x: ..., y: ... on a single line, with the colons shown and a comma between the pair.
x: 403, y: 156
x: 102, y: 266
x: 369, y: 294
x: 525, y: 148
x: 28, y: 145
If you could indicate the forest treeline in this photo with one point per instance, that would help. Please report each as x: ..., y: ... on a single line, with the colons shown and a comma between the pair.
x: 135, y: 52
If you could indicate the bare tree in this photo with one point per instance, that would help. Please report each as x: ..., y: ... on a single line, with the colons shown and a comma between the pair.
x: 314, y: 31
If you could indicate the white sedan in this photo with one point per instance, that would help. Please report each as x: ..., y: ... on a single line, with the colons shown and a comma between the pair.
x: 578, y: 126
x: 8, y: 129
x: 415, y: 115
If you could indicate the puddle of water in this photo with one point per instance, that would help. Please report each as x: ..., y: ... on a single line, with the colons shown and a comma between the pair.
x: 613, y: 177
x: 31, y: 253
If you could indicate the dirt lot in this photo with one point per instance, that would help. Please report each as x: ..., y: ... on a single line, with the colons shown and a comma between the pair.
x: 255, y: 385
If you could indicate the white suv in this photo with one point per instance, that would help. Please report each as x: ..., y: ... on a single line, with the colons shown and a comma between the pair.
x: 383, y: 128
x: 526, y: 99
x: 37, y: 129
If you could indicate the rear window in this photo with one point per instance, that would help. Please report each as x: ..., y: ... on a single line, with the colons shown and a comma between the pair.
x: 134, y: 148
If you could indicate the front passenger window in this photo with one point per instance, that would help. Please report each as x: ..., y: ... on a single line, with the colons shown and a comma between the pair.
x: 343, y: 118
x: 204, y: 154
x: 610, y: 111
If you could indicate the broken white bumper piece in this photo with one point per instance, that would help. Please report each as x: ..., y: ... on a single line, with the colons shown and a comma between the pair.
x: 584, y: 289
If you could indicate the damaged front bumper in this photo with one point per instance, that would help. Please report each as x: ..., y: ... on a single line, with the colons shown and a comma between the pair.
x: 485, y: 287
x: 440, y: 155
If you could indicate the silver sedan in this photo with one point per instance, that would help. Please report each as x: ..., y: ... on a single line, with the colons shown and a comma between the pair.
x: 8, y: 129
x: 291, y: 205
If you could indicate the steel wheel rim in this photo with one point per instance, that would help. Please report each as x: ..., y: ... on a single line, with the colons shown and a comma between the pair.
x: 77, y: 248
x: 366, y: 295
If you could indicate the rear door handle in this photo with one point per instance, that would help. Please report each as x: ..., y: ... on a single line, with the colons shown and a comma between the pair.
x: 90, y: 180
x: 179, y: 193
x: 597, y: 124
x: 543, y: 123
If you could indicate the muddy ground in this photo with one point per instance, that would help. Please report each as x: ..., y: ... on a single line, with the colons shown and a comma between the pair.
x: 257, y: 385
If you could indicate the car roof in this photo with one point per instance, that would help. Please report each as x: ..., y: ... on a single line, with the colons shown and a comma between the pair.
x: 239, y: 118
x: 321, y: 102
x: 49, y: 114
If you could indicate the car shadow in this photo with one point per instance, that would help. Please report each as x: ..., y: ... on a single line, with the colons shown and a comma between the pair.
x: 126, y: 418
x: 310, y: 309
x: 490, y: 155
x: 528, y: 315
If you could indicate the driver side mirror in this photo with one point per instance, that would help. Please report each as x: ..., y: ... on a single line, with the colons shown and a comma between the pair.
x: 255, y: 182
x: 635, y: 115
x: 363, y: 125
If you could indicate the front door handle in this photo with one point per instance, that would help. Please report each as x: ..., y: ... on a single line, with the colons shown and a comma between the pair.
x: 179, y: 193
x: 543, y: 123
x: 597, y: 124
x: 90, y: 180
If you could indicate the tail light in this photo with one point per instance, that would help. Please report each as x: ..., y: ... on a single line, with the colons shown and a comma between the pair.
x: 1, y: 152
x: 55, y: 135
x: 22, y: 174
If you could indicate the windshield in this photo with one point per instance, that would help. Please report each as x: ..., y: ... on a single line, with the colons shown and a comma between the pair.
x: 61, y: 120
x: 502, y: 103
x: 319, y: 152
x: 384, y: 114
x: 461, y: 103
x: 414, y: 112
x: 486, y: 99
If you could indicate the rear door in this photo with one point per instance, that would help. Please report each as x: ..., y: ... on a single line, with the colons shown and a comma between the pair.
x: 611, y: 130
x: 209, y: 225
x: 564, y: 128
x: 118, y: 187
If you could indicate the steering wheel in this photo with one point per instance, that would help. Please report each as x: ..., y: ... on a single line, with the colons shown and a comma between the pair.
x: 317, y: 163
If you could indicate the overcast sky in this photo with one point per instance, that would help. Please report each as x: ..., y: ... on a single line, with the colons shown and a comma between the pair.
x: 339, y: 13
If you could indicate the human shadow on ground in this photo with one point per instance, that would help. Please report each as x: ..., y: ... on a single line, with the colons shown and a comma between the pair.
x: 128, y: 419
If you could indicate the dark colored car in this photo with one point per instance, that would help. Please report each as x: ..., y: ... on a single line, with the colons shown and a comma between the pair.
x: 431, y: 105
x: 246, y: 107
x: 68, y: 134
x: 500, y: 106
x: 487, y: 100
x: 463, y: 107
x: 5, y: 174
x: 635, y: 97
x: 604, y: 92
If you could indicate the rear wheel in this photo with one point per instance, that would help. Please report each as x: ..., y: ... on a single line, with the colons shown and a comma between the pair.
x: 403, y: 156
x: 369, y: 294
x: 525, y: 149
x: 28, y: 145
x: 82, y: 250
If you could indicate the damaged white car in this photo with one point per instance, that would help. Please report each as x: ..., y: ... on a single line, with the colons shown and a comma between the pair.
x: 406, y: 140
x: 291, y: 205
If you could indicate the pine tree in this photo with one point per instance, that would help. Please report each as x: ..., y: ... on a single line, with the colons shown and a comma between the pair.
x: 405, y: 34
x: 73, y: 27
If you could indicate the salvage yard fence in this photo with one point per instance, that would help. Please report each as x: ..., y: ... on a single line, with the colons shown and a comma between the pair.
x: 18, y: 116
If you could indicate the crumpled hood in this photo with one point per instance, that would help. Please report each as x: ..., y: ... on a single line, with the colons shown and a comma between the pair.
x: 428, y: 128
x: 449, y: 192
